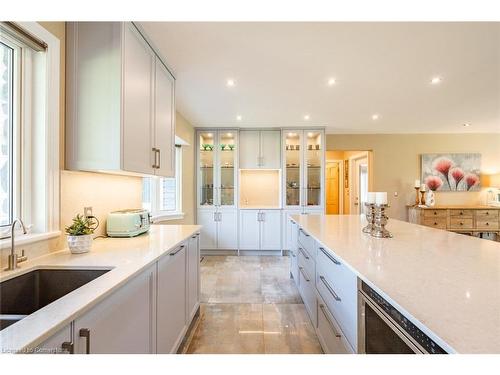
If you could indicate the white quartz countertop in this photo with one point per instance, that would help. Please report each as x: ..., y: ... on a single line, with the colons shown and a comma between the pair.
x: 125, y: 257
x: 446, y: 283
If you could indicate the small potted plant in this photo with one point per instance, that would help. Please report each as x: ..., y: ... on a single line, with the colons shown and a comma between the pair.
x: 80, y: 233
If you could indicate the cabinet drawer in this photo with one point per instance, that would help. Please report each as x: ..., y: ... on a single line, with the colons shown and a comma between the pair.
x: 487, y: 215
x: 308, y: 293
x: 462, y: 213
x: 307, y: 242
x: 435, y: 213
x: 305, y: 260
x: 437, y: 222
x: 294, y: 268
x: 487, y: 224
x: 330, y: 335
x: 460, y: 223
x: 338, y: 288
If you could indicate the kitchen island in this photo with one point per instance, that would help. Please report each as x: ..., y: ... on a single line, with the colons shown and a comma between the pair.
x: 143, y: 304
x: 446, y: 284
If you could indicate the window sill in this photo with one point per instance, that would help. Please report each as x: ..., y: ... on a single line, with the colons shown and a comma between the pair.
x: 156, y: 218
x: 30, y: 238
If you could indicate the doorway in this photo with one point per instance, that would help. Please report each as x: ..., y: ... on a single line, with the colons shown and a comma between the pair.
x: 359, y: 183
x: 348, y: 178
x: 333, y: 187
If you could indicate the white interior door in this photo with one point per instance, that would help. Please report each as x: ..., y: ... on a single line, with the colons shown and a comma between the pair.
x: 359, y: 184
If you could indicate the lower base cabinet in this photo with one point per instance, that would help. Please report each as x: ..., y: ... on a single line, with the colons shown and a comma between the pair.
x: 123, y: 323
x: 330, y: 335
x: 171, y: 300
x: 149, y: 314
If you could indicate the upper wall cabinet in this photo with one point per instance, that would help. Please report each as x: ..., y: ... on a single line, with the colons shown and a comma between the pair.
x: 120, y: 102
x: 260, y: 149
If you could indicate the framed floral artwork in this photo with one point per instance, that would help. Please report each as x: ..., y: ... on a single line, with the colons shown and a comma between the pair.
x: 451, y: 172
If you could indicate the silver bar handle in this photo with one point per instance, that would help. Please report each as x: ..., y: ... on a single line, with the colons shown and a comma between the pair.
x: 301, y: 269
x: 158, y: 165
x: 220, y: 216
x: 175, y: 252
x: 322, y: 307
x: 263, y: 215
x: 154, y: 157
x: 304, y: 253
x: 305, y: 234
x: 215, y: 216
x: 329, y: 256
x: 85, y: 332
x: 330, y: 289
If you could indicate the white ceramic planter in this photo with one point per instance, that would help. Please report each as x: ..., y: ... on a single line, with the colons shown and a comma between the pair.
x: 80, y: 244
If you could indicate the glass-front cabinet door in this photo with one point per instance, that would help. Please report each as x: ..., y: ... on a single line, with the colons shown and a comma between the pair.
x: 217, y: 168
x: 206, y: 159
x: 226, y: 185
x: 313, y: 153
x: 293, y: 168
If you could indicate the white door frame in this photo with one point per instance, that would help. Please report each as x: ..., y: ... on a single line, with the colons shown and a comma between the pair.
x: 341, y: 183
x: 352, y: 161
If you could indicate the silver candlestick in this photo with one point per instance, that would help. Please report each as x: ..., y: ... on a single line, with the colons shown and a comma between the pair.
x: 381, y: 219
x: 370, y: 217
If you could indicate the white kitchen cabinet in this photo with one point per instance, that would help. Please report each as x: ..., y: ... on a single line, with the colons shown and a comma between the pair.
x: 260, y: 230
x: 293, y: 231
x: 249, y: 230
x: 270, y: 234
x: 171, y: 310
x: 119, y: 103
x: 124, y: 322
x: 288, y: 224
x: 164, y: 120
x: 59, y: 343
x: 208, y: 236
x: 307, y: 291
x: 260, y: 149
x: 219, y: 228
x: 303, y: 170
x: 193, y: 279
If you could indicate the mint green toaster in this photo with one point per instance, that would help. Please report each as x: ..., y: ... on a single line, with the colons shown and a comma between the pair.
x: 128, y: 223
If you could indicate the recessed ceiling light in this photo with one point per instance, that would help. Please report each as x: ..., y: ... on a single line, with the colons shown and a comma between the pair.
x: 292, y: 134
x: 375, y: 116
x: 307, y: 117
x: 332, y: 81
x: 230, y: 82
x: 466, y: 125
x: 436, y: 80
x: 310, y: 135
x: 239, y: 118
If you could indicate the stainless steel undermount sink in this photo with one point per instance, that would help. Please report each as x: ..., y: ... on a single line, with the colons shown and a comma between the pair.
x: 27, y: 293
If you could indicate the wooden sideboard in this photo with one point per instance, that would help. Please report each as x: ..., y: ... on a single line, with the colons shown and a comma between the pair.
x: 472, y: 220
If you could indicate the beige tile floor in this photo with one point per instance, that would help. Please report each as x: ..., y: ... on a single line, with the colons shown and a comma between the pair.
x: 250, y: 305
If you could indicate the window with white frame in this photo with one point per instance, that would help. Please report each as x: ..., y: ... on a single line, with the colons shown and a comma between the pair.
x: 163, y: 196
x: 29, y: 129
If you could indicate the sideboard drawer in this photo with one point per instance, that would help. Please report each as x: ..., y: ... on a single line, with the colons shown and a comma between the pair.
x: 487, y: 224
x: 487, y: 215
x: 462, y: 213
x: 435, y: 213
x: 438, y: 222
x: 461, y: 223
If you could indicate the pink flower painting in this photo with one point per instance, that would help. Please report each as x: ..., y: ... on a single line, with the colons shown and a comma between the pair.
x: 433, y: 182
x: 451, y: 172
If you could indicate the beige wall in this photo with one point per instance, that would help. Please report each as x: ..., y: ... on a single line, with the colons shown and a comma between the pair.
x: 396, y: 162
x: 185, y: 130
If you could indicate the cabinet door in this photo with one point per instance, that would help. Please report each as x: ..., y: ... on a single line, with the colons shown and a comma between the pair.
x: 313, y: 169
x: 59, y: 343
x: 193, y: 279
x: 292, y: 168
x: 249, y: 230
x: 226, y: 186
x: 171, y: 312
x: 271, y: 230
x: 208, y: 236
x: 164, y: 121
x: 250, y: 149
x: 270, y: 149
x: 124, y: 322
x: 137, y: 103
x: 227, y: 231
x: 207, y: 162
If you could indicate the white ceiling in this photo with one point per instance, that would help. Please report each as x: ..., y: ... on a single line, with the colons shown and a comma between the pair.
x: 281, y: 72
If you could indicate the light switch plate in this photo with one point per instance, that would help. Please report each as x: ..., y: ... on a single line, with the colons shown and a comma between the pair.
x: 87, y: 211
